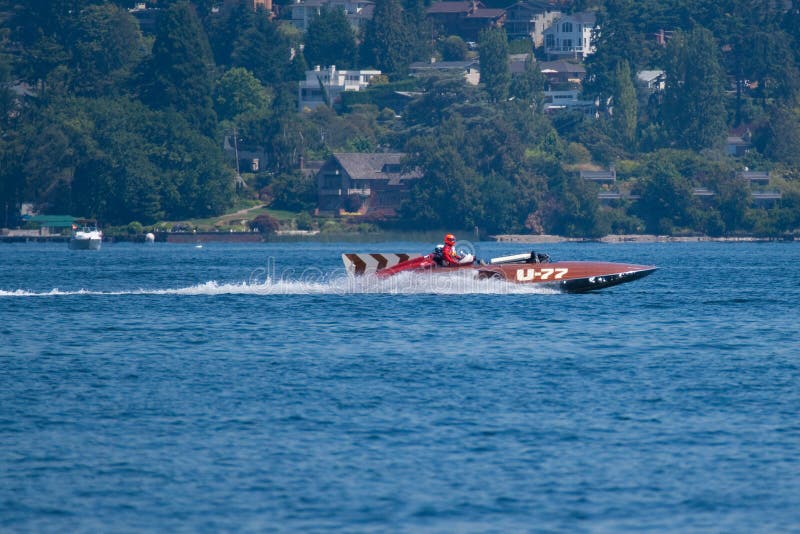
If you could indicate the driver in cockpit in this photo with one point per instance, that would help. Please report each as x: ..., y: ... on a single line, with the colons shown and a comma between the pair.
x: 449, y: 255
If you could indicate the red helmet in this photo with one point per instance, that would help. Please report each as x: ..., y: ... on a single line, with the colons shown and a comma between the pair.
x: 449, y: 239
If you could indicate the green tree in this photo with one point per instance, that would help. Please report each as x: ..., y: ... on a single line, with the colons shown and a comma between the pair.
x: 694, y: 99
x: 225, y: 28
x: 271, y: 68
x: 733, y: 200
x: 621, y: 37
x: 330, y: 40
x: 294, y: 191
x: 770, y: 60
x: 665, y: 197
x: 386, y: 45
x: 572, y: 209
x: 240, y: 93
x: 454, y: 48
x: 106, y: 45
x: 780, y: 139
x: 419, y: 29
x: 529, y: 84
x: 41, y: 28
x: 625, y: 106
x: 180, y: 73
x: 495, y: 72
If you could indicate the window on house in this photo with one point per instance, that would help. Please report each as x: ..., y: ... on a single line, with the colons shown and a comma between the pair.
x: 567, y: 44
x: 549, y: 40
x: 580, y: 28
x: 566, y: 27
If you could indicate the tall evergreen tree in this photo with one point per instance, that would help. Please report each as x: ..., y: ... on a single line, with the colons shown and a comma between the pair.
x: 42, y: 30
x: 264, y: 51
x: 529, y: 84
x: 419, y: 28
x: 620, y: 37
x: 665, y: 196
x: 495, y: 72
x: 625, y: 106
x: 106, y: 45
x: 330, y: 40
x: 694, y: 105
x: 180, y: 74
x: 224, y: 29
x: 386, y: 45
x: 781, y: 141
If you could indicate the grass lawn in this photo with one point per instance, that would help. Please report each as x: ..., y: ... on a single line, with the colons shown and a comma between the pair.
x: 232, y: 219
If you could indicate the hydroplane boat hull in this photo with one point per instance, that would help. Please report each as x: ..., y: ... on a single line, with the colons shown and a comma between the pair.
x: 568, y: 276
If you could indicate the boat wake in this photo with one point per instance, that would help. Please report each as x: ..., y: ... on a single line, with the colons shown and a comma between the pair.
x: 403, y: 284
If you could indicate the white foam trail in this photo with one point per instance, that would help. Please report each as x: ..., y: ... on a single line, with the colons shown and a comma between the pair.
x: 402, y: 284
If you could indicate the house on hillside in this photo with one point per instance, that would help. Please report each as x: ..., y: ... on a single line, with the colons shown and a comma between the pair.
x: 609, y: 191
x: 563, y: 73
x: 651, y: 81
x: 759, y: 182
x: 738, y: 142
x: 570, y: 36
x: 528, y: 20
x: 465, y: 19
x: 358, y: 12
x: 253, y: 5
x: 562, y: 89
x: 325, y: 86
x: 147, y: 17
x: 363, y: 184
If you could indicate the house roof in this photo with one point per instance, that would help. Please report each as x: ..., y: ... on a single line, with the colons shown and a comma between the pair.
x: 533, y: 6
x: 361, y: 166
x: 649, y: 75
x: 486, y: 13
x: 451, y: 7
x: 320, y: 3
x: 52, y: 221
x: 584, y: 17
x: 562, y: 65
x: 444, y: 65
x: 735, y: 140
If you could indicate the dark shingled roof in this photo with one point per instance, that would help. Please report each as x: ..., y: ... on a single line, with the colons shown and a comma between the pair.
x: 562, y: 65
x: 451, y: 7
x: 361, y: 166
x: 486, y: 13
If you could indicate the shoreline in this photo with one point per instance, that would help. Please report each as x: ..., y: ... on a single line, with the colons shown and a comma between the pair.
x: 634, y: 238
x: 255, y: 237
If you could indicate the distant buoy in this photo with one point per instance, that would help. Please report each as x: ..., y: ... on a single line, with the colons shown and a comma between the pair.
x: 149, y: 237
x: 198, y: 246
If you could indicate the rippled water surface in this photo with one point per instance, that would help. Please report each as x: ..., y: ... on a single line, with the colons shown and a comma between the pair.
x: 255, y: 387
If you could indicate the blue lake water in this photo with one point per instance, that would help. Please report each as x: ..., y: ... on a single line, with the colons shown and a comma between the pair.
x: 254, y: 387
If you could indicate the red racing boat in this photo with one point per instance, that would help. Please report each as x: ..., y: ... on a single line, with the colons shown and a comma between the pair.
x: 528, y: 268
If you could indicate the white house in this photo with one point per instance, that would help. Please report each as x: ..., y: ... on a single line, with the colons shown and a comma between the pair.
x: 651, y: 80
x: 325, y: 86
x: 358, y: 12
x: 571, y: 36
x: 557, y: 100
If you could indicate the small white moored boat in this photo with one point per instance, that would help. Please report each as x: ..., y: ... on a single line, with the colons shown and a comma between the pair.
x: 86, y: 238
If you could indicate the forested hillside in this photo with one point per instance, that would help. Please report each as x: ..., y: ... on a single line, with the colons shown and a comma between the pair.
x: 105, y: 117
